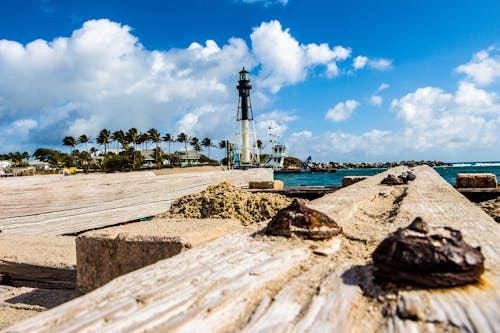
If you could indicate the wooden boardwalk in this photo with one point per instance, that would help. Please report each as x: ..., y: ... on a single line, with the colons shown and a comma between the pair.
x: 255, y: 283
x: 57, y: 205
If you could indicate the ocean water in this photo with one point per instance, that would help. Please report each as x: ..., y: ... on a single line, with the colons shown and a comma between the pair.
x: 335, y: 179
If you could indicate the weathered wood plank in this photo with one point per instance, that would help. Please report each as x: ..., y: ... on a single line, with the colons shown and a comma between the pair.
x: 257, y: 283
x: 64, y: 205
x: 196, y: 290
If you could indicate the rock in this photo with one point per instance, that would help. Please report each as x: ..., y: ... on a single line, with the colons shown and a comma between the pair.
x: 349, y: 180
x: 403, y: 178
x: 392, y: 180
x: 476, y: 180
x: 435, y: 257
x: 301, y: 221
x: 408, y: 176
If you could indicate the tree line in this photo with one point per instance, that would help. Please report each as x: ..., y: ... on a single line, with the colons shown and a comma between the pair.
x: 126, y: 157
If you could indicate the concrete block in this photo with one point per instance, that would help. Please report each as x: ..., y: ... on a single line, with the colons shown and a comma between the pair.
x: 102, y: 255
x: 476, y: 180
x: 349, y: 180
x: 266, y: 185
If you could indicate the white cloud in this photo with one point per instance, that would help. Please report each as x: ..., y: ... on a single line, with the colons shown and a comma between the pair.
x: 435, y: 124
x: 383, y: 87
x: 303, y: 134
x: 484, y: 68
x: 21, y: 127
x: 381, y: 64
x: 436, y: 120
x: 332, y: 70
x: 274, y: 123
x: 342, y: 110
x: 376, y: 100
x: 360, y: 62
x: 338, y: 145
x: 285, y: 61
x: 101, y: 76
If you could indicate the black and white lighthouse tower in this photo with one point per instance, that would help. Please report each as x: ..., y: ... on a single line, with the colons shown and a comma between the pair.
x: 249, y: 152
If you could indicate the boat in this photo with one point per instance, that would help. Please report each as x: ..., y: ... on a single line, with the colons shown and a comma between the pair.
x: 277, y: 158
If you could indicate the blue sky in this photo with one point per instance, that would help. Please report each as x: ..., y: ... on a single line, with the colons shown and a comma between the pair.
x: 338, y: 80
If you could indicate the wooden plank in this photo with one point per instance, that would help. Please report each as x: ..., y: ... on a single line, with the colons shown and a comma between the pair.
x: 180, y: 294
x: 256, y: 283
x: 64, y: 205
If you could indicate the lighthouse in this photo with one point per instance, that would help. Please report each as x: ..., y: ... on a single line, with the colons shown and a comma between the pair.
x: 249, y: 152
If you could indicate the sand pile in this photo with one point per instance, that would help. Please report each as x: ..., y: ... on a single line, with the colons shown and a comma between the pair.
x: 227, y: 201
x: 492, y: 208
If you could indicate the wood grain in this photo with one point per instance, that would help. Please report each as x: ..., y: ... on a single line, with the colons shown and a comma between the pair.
x: 256, y: 283
x: 56, y: 205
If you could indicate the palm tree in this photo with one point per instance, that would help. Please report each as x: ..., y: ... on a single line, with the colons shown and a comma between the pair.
x: 154, y: 136
x: 158, y: 157
x: 103, y: 138
x: 93, y: 151
x: 70, y: 142
x: 207, y: 143
x: 84, y: 158
x: 25, y: 156
x: 84, y: 139
x: 55, y: 161
x: 133, y: 136
x: 143, y: 139
x: 120, y: 137
x: 223, y: 144
x: 260, y: 146
x: 182, y: 137
x: 168, y: 138
x: 195, y: 143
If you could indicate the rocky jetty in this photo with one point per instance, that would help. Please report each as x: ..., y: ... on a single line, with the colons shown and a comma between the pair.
x: 367, y: 165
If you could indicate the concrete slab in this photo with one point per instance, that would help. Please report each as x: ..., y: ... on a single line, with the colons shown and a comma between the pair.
x: 476, y: 180
x: 105, y: 254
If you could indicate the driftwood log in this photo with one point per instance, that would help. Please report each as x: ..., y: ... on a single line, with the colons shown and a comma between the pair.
x: 259, y: 283
x: 56, y: 205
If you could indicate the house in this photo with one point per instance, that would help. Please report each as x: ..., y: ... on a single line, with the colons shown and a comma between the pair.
x: 188, y: 157
x: 40, y: 165
x: 5, y: 164
x: 149, y: 160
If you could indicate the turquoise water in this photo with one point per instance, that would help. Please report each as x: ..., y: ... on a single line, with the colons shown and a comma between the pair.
x: 335, y: 179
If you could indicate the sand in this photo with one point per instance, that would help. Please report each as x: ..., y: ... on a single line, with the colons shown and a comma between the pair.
x: 225, y: 201
x: 491, y: 207
x: 204, y: 168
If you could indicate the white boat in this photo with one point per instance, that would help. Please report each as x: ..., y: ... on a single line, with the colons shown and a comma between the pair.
x: 277, y: 157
